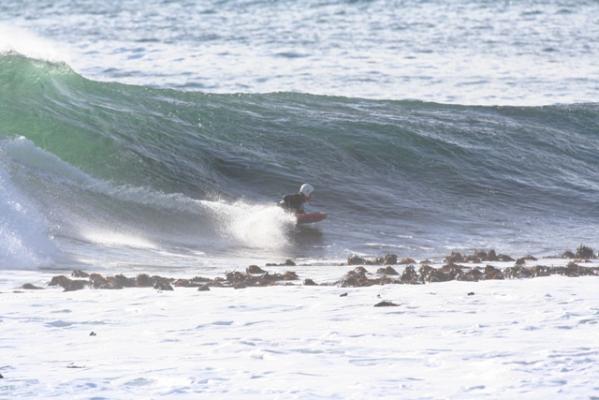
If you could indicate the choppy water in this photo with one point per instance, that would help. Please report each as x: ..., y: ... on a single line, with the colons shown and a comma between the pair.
x: 464, y: 52
x: 185, y: 161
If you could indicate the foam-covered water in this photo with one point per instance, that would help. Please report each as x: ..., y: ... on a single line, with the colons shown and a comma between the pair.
x: 535, y: 339
x: 185, y: 161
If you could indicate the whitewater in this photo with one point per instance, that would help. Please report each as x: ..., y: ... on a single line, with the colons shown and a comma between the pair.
x: 531, y: 339
x: 156, y: 137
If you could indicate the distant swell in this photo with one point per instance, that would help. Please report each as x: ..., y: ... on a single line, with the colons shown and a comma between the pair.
x: 172, y: 168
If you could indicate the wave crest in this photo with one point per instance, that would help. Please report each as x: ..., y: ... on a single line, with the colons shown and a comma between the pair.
x: 21, y: 41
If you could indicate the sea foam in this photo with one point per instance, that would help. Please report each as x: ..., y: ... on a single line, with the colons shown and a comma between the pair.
x: 24, y: 239
x: 14, y: 39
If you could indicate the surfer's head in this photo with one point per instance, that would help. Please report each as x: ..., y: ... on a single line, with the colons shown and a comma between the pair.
x: 306, y: 190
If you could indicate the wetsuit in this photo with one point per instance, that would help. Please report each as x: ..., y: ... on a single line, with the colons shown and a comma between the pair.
x: 293, y: 202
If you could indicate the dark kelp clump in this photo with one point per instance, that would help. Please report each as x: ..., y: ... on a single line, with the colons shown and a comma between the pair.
x: 412, y: 274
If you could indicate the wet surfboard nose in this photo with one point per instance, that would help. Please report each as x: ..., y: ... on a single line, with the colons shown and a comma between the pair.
x: 309, y: 218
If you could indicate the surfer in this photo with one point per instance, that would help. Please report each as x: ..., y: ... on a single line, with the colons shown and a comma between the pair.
x: 295, y: 202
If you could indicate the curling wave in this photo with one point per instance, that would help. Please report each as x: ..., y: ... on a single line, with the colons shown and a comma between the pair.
x: 202, y: 172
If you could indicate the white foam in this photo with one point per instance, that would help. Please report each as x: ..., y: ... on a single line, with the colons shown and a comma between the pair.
x: 18, y: 40
x: 116, y: 239
x: 532, y: 339
x: 253, y: 225
x: 24, y: 237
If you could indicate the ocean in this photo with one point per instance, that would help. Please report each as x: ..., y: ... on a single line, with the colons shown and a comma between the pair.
x: 144, y: 146
x: 161, y: 134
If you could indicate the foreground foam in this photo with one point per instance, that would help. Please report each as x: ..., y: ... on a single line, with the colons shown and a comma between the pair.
x: 508, y: 339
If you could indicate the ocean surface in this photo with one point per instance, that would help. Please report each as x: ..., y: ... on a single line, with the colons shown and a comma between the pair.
x: 512, y: 339
x: 161, y: 134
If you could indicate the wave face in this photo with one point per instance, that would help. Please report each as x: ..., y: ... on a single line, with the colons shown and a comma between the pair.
x: 105, y: 169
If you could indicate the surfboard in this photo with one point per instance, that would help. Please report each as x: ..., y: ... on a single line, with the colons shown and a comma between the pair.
x: 309, y: 218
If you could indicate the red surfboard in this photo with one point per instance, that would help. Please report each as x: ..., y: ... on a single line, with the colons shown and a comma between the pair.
x: 309, y: 218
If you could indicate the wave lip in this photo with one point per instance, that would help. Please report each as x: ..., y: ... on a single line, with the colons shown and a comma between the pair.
x: 21, y: 41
